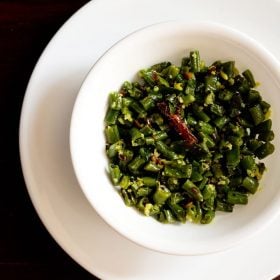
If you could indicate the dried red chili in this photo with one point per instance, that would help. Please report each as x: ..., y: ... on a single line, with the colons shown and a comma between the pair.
x: 178, y: 124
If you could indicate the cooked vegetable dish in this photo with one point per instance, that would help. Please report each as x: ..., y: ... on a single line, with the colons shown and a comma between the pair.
x: 186, y: 141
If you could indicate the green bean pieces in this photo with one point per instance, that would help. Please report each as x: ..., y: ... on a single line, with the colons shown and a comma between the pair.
x: 184, y: 142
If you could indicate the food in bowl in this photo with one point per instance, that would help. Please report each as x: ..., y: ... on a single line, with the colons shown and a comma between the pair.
x: 186, y: 141
x: 170, y: 41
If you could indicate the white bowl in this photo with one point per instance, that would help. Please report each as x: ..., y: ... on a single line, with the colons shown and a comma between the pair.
x: 171, y: 41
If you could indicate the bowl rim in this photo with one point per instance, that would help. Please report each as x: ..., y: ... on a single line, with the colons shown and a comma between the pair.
x: 237, y: 35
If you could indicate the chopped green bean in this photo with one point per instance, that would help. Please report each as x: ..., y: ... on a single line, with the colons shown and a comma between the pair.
x: 160, y: 135
x: 208, y: 217
x: 248, y: 162
x: 200, y: 114
x: 166, y: 216
x: 212, y: 83
x: 263, y: 127
x: 217, y: 109
x: 225, y: 95
x: 233, y: 157
x: 254, y: 144
x: 125, y: 182
x: 151, y: 209
x: 115, y: 173
x: 257, y: 114
x: 187, y: 99
x: 143, y: 191
x: 228, y: 68
x: 254, y: 96
x: 266, y: 136
x: 135, y: 164
x: 178, y: 211
x: 115, y: 101
x: 249, y: 77
x: 149, y: 181
x: 165, y: 150
x: 125, y: 156
x: 112, y: 134
x: 137, y: 138
x: 183, y: 171
x: 152, y: 167
x: 265, y: 106
x: 192, y: 190
x: 115, y: 149
x: 161, y: 195
x: 195, y: 61
x: 209, y: 196
x: 147, y: 102
x: 250, y: 184
x: 128, y: 197
x: 234, y: 197
x: 264, y: 150
x: 138, y: 108
x: 223, y: 206
x: 221, y: 121
x: 111, y: 116
x: 205, y: 127
x: 186, y: 141
x: 196, y: 176
x: 193, y: 212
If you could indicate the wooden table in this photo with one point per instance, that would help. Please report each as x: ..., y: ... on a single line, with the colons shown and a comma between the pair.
x: 27, y: 251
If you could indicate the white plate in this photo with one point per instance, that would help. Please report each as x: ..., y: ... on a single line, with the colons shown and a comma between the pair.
x: 44, y: 146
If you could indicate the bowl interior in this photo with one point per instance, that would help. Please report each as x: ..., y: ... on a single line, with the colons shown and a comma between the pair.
x: 171, y: 41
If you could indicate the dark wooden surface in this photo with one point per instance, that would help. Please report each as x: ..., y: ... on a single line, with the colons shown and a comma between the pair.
x: 27, y: 251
